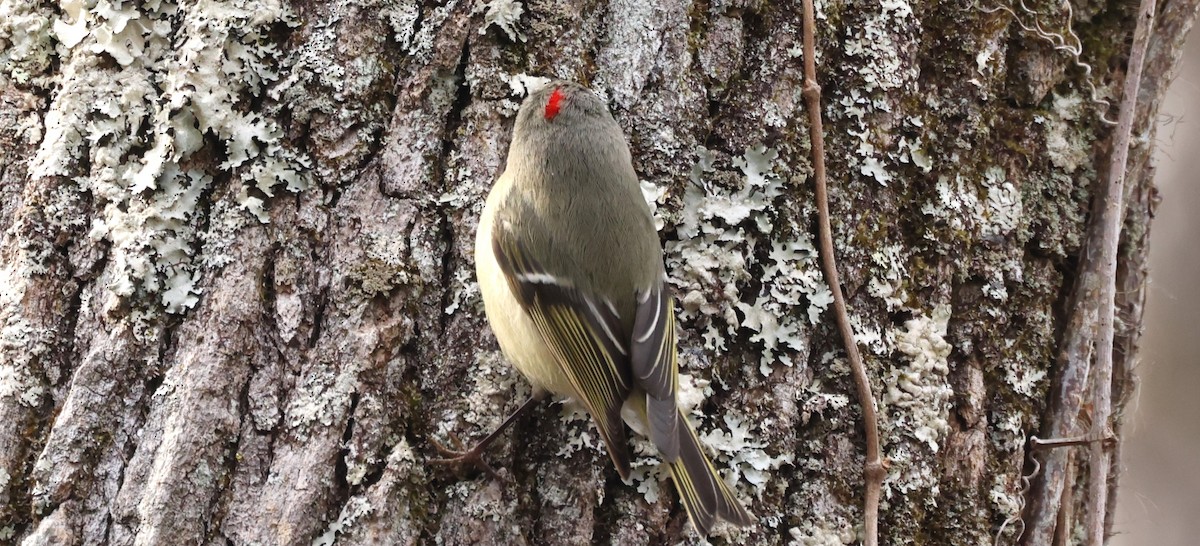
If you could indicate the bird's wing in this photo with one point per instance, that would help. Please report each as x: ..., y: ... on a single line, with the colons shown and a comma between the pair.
x: 655, y: 366
x: 583, y: 333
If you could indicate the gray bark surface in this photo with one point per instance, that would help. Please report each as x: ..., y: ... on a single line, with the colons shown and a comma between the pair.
x: 236, y: 275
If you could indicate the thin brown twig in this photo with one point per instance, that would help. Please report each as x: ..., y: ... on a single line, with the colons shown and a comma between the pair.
x: 873, y: 470
x: 1098, y: 463
x: 1070, y: 441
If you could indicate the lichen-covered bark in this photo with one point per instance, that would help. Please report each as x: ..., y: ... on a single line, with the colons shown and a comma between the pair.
x: 236, y: 272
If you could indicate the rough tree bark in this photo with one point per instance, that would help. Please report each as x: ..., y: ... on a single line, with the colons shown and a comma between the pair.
x: 236, y: 294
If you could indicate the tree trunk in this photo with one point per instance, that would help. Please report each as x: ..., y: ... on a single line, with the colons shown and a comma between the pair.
x: 236, y: 276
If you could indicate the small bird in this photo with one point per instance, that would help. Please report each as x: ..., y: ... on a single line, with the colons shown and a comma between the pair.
x: 571, y: 272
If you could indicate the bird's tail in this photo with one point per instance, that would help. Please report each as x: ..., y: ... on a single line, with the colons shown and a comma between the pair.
x: 702, y: 491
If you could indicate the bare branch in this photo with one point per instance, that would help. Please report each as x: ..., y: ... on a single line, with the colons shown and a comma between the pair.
x: 873, y: 470
x: 1098, y: 464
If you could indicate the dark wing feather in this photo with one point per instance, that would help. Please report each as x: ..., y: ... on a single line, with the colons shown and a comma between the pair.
x: 583, y: 333
x: 655, y: 366
x: 656, y: 370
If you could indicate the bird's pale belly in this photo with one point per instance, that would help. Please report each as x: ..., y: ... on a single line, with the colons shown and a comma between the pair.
x: 518, y: 336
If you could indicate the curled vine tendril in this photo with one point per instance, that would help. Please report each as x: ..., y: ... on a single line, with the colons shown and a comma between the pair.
x: 1068, y: 42
x: 1026, y: 480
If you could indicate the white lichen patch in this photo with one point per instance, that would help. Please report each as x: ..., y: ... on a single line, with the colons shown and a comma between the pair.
x: 166, y: 96
x: 582, y: 434
x: 818, y: 403
x: 1003, y: 203
x: 983, y: 60
x: 520, y: 86
x: 914, y: 152
x: 26, y: 42
x: 16, y: 381
x: 504, y: 14
x: 956, y: 204
x: 720, y: 231
x: 869, y: 336
x: 791, y: 281
x: 1067, y: 141
x: 73, y: 28
x: 646, y: 471
x: 354, y: 509
x: 870, y: 165
x: 739, y: 450
x: 917, y: 402
x: 990, y: 208
x: 753, y: 198
x: 878, y: 53
x: 1023, y: 379
x: 887, y: 283
x: 1005, y: 496
x: 322, y: 396
x: 1008, y: 432
x: 152, y: 240
x: 523, y: 84
x: 402, y: 17
x: 921, y: 159
x: 693, y: 391
x: 654, y: 196
x: 874, y: 45
x: 823, y: 532
x: 908, y: 471
x: 995, y: 287
x: 918, y: 395
x: 464, y: 290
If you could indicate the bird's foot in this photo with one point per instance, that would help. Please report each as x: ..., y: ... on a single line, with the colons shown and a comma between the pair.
x: 460, y: 458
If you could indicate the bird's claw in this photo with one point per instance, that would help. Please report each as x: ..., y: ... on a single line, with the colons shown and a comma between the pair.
x: 460, y: 457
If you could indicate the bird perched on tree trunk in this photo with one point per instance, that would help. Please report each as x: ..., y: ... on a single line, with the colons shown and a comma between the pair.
x: 571, y: 271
